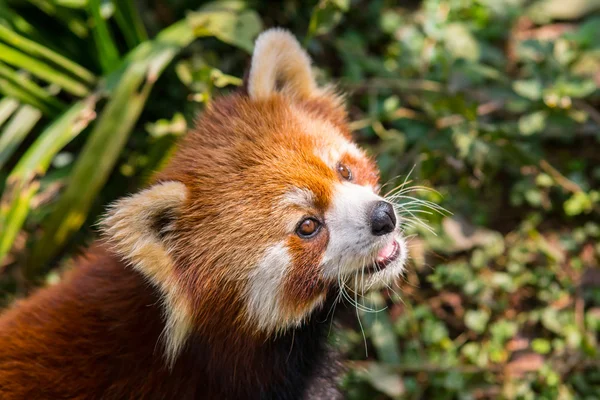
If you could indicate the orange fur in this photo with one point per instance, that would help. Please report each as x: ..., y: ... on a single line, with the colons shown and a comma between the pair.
x: 201, y: 287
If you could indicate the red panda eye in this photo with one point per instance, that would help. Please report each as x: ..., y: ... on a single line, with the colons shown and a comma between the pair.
x: 345, y: 172
x: 308, y: 228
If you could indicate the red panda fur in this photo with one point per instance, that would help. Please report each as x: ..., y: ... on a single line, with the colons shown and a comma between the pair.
x: 183, y: 297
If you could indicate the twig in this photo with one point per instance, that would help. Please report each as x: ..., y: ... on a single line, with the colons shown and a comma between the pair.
x: 563, y: 181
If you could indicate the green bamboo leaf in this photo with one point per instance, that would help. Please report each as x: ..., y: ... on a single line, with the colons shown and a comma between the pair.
x: 132, y: 83
x: 23, y: 181
x: 7, y: 107
x: 67, y: 17
x: 44, y: 71
x: 16, y: 130
x: 130, y: 23
x: 35, y: 49
x: 16, y: 91
x: 13, y: 19
x: 107, y: 49
x: 51, y: 105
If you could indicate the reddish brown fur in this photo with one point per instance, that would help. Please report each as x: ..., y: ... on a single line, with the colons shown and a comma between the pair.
x: 221, y: 207
x: 56, y: 345
x: 98, y: 330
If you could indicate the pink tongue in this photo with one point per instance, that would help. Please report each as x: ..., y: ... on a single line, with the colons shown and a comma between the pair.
x: 386, y: 252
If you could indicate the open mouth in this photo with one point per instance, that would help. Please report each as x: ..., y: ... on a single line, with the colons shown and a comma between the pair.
x: 385, y: 257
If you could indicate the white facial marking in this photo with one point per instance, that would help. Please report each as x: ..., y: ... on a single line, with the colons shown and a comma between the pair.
x: 350, y: 238
x: 332, y: 153
x: 264, y: 293
x: 264, y: 288
x: 303, y: 198
x: 352, y: 246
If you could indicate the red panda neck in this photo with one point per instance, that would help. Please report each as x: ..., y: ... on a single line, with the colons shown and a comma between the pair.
x: 103, y: 326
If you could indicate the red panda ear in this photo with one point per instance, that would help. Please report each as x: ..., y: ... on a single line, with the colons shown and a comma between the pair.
x: 279, y: 64
x: 138, y: 227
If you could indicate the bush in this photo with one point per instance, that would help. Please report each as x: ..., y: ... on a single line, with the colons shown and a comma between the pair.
x: 495, y: 104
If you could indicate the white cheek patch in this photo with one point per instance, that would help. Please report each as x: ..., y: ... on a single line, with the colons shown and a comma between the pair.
x: 264, y: 294
x: 350, y: 240
x: 265, y: 286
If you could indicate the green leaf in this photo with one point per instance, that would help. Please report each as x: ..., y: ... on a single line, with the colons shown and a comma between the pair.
x: 477, y: 320
x: 576, y: 88
x: 588, y: 33
x: 461, y: 43
x: 7, y: 107
x: 69, y: 18
x: 130, y: 23
x: 533, y: 123
x: 578, y: 203
x: 107, y: 48
x: 385, y: 379
x: 27, y: 91
x: 228, y: 22
x: 325, y: 16
x: 42, y: 70
x: 129, y: 88
x: 16, y: 130
x: 541, y: 346
x: 23, y: 181
x: 37, y: 50
x: 530, y: 89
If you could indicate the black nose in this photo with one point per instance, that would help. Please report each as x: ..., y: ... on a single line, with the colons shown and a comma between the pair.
x: 383, y: 218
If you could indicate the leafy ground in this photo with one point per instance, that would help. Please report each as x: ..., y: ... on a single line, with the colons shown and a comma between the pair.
x: 494, y: 104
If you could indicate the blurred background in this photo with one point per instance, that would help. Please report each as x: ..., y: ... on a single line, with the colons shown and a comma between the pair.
x: 495, y: 104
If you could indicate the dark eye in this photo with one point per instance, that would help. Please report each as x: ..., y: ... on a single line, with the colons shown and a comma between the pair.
x: 308, y: 228
x: 345, y: 172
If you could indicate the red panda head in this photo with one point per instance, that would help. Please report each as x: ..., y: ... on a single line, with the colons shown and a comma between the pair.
x: 266, y: 209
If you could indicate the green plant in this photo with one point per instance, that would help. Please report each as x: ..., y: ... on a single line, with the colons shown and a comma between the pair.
x: 494, y: 104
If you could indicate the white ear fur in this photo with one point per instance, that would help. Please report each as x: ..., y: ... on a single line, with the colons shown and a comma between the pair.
x: 129, y: 228
x: 278, y: 58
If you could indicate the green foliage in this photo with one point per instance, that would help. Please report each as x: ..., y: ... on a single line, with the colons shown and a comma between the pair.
x: 494, y: 104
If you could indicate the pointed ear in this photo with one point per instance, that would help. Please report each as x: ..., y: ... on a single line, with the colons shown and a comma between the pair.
x: 279, y: 64
x: 138, y: 227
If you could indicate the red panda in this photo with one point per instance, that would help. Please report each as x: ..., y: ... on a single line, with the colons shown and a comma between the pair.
x: 216, y: 281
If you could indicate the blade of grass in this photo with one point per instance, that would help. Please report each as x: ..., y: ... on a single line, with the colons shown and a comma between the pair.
x: 68, y: 17
x: 132, y: 83
x: 11, y: 18
x: 52, y: 106
x: 130, y: 23
x: 12, y: 89
x: 107, y: 49
x: 16, y: 130
x: 7, y: 108
x: 42, y: 70
x: 35, y: 49
x: 23, y: 181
